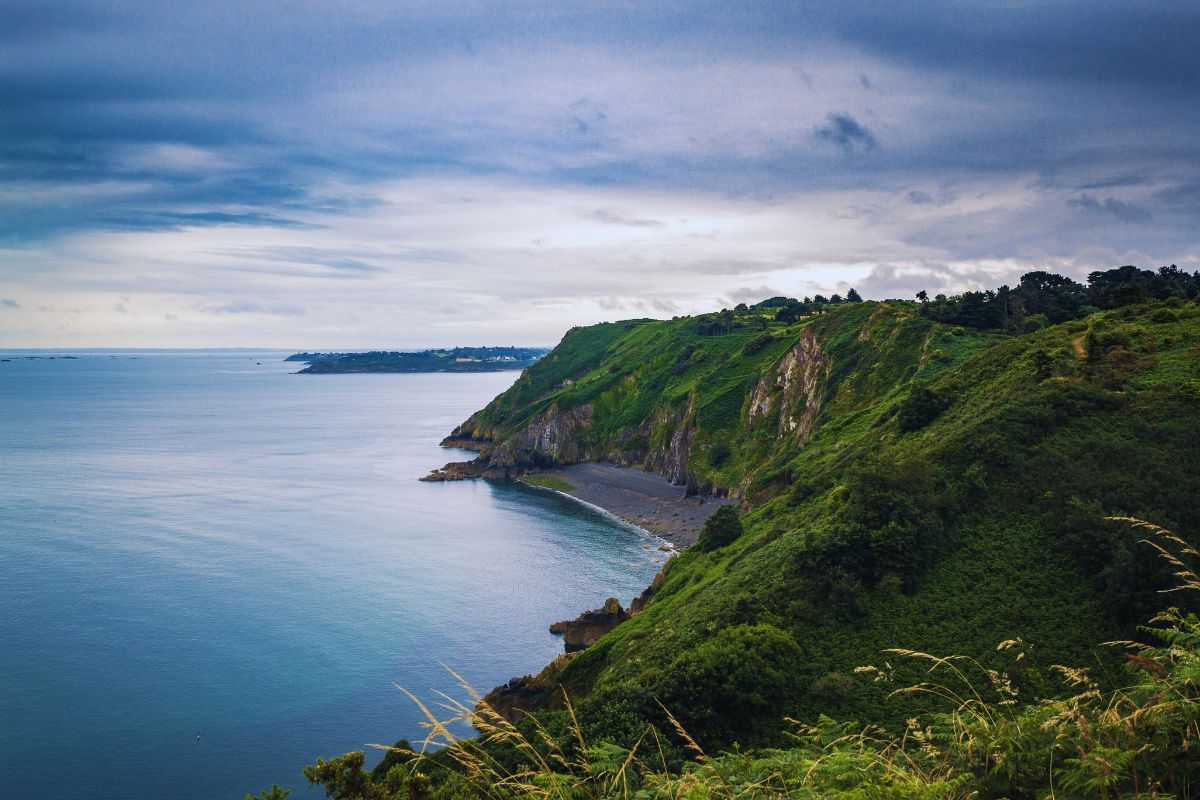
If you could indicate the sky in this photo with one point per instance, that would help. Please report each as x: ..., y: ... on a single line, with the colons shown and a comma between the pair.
x: 366, y: 174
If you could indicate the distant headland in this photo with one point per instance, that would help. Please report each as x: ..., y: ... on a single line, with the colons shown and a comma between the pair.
x: 455, y: 359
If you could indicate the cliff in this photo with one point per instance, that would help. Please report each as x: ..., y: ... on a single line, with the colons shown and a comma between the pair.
x: 904, y: 482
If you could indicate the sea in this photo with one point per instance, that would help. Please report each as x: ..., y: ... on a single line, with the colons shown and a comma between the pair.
x: 214, y: 571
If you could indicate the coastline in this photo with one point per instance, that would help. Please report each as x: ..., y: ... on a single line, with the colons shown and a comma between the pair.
x: 642, y: 499
x: 662, y: 543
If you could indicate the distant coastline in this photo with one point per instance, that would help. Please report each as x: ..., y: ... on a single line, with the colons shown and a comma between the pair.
x: 455, y: 359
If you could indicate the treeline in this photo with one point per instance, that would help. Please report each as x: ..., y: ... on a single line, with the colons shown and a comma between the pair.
x: 1044, y: 298
x: 779, y: 309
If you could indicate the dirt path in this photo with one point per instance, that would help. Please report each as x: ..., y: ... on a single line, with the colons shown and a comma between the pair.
x: 1080, y: 350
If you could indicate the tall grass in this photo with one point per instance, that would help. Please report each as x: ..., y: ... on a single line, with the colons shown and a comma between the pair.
x: 990, y: 733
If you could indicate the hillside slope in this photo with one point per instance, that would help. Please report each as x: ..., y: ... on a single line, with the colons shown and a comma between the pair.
x: 906, y: 483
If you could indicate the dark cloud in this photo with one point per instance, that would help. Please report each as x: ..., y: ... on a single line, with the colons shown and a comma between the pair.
x: 1110, y: 207
x: 8, y: 302
x: 918, y: 197
x: 847, y: 133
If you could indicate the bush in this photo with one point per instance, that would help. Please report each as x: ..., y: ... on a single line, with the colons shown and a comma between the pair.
x: 720, y: 530
x: 918, y: 409
x: 740, y: 681
x: 718, y: 454
x: 833, y: 686
x: 756, y: 344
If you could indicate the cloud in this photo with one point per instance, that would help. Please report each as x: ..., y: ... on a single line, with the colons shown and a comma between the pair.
x: 507, y: 172
x: 747, y: 294
x: 613, y: 217
x: 8, y: 302
x: 246, y: 307
x: 847, y: 133
x: 1110, y: 207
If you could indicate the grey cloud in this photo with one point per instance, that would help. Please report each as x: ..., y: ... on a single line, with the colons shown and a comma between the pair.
x: 919, y: 197
x: 1112, y: 183
x: 1111, y: 207
x: 886, y: 281
x: 8, y: 302
x: 747, y: 294
x: 334, y: 263
x: 249, y: 218
x: 247, y: 307
x: 847, y: 133
x: 611, y: 216
x: 586, y: 116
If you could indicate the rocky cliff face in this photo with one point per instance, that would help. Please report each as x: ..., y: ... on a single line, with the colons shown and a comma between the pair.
x: 791, y: 393
x: 787, y: 396
x: 553, y: 438
x: 670, y: 458
x: 519, y: 696
x: 586, y: 629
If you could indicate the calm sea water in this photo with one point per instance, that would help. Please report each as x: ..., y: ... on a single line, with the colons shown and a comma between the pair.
x: 213, y: 571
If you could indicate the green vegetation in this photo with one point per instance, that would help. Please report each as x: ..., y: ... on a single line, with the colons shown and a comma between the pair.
x: 721, y: 529
x: 548, y: 481
x: 457, y: 359
x: 909, y: 483
x: 1043, y: 298
x: 990, y: 732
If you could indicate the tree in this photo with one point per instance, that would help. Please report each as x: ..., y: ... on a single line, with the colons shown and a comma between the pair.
x: 274, y: 793
x: 923, y: 296
x: 853, y: 296
x: 344, y: 778
x: 721, y: 529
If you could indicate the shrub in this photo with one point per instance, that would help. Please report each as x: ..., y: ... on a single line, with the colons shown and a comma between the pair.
x: 721, y: 529
x: 918, y: 409
x: 742, y: 679
x: 833, y: 686
x: 718, y: 454
x: 756, y: 344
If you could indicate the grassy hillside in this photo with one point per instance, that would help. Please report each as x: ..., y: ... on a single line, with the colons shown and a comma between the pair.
x: 904, y: 483
x: 907, y: 483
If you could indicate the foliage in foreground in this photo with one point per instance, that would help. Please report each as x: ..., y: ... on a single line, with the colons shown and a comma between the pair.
x: 993, y: 735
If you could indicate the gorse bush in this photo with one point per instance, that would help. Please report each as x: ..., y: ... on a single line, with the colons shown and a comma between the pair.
x: 990, y: 733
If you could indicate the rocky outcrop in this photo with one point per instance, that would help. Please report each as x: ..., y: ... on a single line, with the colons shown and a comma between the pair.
x: 791, y: 392
x: 551, y: 439
x: 586, y: 629
x: 464, y: 443
x: 640, y: 602
x: 519, y: 696
x: 464, y: 470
